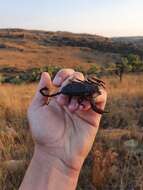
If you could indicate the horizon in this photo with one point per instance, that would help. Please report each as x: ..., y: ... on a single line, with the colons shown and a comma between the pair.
x: 44, y: 30
x: 112, y: 18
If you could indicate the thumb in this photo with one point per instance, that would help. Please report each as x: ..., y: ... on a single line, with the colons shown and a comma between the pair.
x: 39, y: 99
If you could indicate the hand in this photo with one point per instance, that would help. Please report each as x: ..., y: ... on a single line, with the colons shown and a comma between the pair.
x: 64, y: 131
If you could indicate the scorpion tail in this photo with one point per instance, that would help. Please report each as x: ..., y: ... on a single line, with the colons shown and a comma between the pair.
x: 96, y: 109
x: 55, y: 94
x: 45, y: 92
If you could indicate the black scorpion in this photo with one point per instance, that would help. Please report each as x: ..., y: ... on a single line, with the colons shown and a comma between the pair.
x: 88, y: 90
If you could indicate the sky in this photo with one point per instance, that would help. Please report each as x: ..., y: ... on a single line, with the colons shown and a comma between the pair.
x: 101, y: 17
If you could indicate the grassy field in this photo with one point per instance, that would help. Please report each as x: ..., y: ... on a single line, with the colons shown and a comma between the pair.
x: 116, y: 160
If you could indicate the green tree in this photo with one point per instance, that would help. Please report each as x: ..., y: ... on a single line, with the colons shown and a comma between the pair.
x: 128, y: 63
x: 135, y: 62
x: 94, y: 69
x: 122, y: 66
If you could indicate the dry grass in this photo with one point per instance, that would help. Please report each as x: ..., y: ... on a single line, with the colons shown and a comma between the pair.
x: 131, y: 86
x: 40, y: 57
x: 15, y: 138
x: 112, y: 164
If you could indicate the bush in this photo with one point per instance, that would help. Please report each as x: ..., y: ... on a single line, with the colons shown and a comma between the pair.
x: 30, y: 75
x: 16, y: 80
x: 80, y: 69
x: 94, y: 69
x: 2, y: 79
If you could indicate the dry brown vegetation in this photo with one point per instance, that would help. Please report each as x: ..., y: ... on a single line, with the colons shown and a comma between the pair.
x: 116, y: 160
x: 23, y: 49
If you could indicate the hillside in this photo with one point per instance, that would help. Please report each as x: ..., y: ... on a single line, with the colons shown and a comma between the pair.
x: 128, y: 38
x: 136, y: 41
x: 25, y: 49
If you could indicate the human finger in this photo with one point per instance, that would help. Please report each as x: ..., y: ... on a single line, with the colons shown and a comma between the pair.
x: 61, y: 76
x: 73, y: 106
x: 85, y: 106
x: 101, y: 99
x: 45, y: 81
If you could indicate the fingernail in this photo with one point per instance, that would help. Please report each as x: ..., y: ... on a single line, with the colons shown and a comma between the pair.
x: 57, y: 81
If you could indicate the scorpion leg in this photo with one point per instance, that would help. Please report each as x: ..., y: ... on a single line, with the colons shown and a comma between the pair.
x: 90, y: 81
x: 93, y: 83
x: 96, y: 82
x: 80, y: 100
x: 93, y: 78
x: 87, y: 82
x: 70, y: 97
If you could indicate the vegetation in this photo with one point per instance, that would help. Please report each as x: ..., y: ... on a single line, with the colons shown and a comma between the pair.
x: 24, y: 51
x: 116, y: 160
x: 129, y: 63
x: 30, y: 75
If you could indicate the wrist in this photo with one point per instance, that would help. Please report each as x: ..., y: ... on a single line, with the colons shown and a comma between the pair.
x: 48, y: 161
x: 48, y: 172
x: 54, y: 171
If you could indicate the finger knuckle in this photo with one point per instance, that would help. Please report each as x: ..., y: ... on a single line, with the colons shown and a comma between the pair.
x: 66, y: 71
x: 79, y: 75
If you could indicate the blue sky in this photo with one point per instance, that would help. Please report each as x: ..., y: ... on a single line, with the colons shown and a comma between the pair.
x: 103, y: 17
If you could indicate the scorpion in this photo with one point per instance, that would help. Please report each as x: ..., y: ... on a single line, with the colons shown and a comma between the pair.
x: 88, y: 90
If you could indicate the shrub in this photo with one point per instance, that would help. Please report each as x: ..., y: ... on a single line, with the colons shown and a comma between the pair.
x: 2, y: 79
x: 14, y: 80
x: 80, y: 69
x: 94, y: 69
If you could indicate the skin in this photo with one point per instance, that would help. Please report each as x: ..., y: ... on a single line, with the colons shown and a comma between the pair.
x: 63, y: 133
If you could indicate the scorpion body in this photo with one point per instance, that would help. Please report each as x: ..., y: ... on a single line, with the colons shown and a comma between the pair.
x: 88, y: 90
